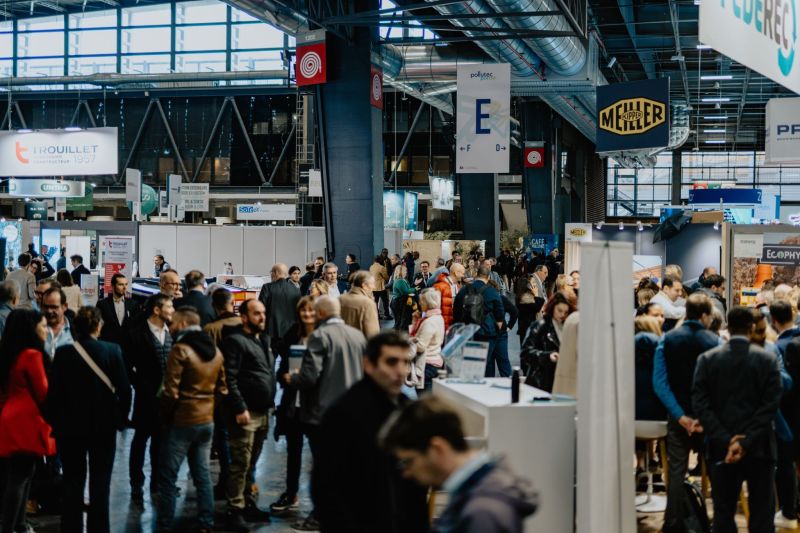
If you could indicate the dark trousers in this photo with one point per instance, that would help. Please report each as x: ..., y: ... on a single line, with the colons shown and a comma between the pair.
x: 293, y: 431
x: 220, y: 445
x: 726, y: 485
x: 498, y: 354
x: 136, y: 460
x: 382, y: 296
x: 679, y: 444
x: 100, y: 449
x: 786, y: 480
x: 312, y: 432
x: 19, y: 474
x: 430, y: 373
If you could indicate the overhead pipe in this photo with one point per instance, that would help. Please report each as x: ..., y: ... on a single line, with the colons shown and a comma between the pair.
x: 112, y: 80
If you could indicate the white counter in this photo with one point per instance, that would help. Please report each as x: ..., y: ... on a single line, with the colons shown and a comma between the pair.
x: 538, y: 439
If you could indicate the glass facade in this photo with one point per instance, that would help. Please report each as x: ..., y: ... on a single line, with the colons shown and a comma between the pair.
x: 197, y: 36
x: 639, y: 192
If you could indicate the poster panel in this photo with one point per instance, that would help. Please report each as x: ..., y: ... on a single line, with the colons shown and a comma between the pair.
x: 38, y: 153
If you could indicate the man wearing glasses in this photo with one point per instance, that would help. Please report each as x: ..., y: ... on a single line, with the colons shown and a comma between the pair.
x: 335, y: 287
x: 170, y: 284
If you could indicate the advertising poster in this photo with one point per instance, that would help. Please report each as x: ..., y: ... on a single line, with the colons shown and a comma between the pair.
x: 633, y: 115
x: 12, y: 233
x: 116, y: 255
x: 779, y: 260
x: 82, y: 203
x: 483, y: 126
x: 393, y: 204
x: 36, y: 210
x: 285, y: 212
x: 442, y: 192
x: 539, y: 243
x: 89, y: 288
x: 782, y: 141
x: 411, y: 204
x: 38, y: 153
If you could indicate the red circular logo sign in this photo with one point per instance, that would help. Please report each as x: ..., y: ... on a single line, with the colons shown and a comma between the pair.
x: 534, y: 157
x: 377, y: 88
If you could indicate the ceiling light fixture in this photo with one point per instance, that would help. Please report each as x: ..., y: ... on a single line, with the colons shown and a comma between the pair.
x: 715, y: 141
x: 716, y: 77
x: 612, y: 62
x: 621, y: 226
x: 714, y: 131
x: 716, y: 117
x: 716, y: 226
x: 716, y: 99
x: 599, y: 225
x: 640, y: 225
x: 72, y: 128
x: 703, y: 47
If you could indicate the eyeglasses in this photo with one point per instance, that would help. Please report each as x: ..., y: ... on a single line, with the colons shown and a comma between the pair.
x: 173, y: 284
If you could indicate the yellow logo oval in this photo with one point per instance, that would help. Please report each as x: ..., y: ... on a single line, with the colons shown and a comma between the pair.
x: 632, y: 116
x: 577, y: 232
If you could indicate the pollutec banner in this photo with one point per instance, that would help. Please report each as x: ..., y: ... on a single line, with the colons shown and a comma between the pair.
x: 633, y: 116
x: 782, y: 143
x: 760, y: 34
x: 483, y: 127
x: 58, y: 152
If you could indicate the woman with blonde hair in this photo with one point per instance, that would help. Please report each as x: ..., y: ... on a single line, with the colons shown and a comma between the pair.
x: 427, y: 335
x: 318, y: 288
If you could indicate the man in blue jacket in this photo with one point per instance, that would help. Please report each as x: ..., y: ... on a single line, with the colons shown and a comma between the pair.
x: 479, y: 303
x: 673, y: 372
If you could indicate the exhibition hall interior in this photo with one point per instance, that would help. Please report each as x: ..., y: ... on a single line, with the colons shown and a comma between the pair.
x: 399, y: 266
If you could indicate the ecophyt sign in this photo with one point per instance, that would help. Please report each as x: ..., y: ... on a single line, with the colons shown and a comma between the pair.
x: 46, y: 188
x: 774, y: 254
x: 58, y: 152
x: 633, y: 115
x: 760, y: 34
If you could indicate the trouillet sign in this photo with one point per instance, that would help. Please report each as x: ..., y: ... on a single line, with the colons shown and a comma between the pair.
x: 58, y: 152
x: 46, y: 188
x: 483, y: 118
x: 760, y: 34
x: 633, y: 115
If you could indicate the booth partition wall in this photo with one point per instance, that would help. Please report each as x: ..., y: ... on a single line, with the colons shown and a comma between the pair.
x: 639, y: 193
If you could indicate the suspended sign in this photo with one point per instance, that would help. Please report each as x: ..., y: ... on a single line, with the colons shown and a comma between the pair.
x: 194, y: 196
x: 285, y: 212
x: 46, y: 188
x: 310, y: 67
x: 483, y: 127
x: 534, y: 154
x: 633, y: 115
x: 759, y: 35
x: 442, y: 192
x: 400, y: 209
x: 782, y: 142
x: 58, y: 152
x: 376, y: 86
x: 81, y: 203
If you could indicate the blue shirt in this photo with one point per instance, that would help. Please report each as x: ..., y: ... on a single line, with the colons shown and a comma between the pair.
x: 55, y: 342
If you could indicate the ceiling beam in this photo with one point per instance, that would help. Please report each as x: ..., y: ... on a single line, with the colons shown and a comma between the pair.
x: 646, y: 58
x: 673, y: 15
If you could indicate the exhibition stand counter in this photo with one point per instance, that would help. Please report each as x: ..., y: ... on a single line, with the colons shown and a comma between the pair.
x: 536, y: 436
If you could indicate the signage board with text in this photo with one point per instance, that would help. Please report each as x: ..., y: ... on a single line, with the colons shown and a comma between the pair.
x: 633, y: 115
x: 38, y: 188
x: 194, y: 196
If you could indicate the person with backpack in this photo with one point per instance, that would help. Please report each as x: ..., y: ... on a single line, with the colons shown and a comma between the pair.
x: 539, y: 354
x: 479, y: 303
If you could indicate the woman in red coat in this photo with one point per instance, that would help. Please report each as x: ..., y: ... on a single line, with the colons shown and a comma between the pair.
x: 24, y: 435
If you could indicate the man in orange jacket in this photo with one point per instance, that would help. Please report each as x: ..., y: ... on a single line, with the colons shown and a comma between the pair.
x: 448, y: 286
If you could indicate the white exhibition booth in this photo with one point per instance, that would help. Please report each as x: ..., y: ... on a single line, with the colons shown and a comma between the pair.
x: 250, y: 249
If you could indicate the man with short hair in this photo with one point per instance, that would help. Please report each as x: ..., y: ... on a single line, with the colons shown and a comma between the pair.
x: 280, y: 298
x: 25, y: 280
x: 421, y: 278
x: 222, y: 302
x: 9, y: 298
x: 485, y: 495
x: 737, y: 410
x: 707, y: 271
x: 448, y: 285
x: 42, y: 287
x: 480, y: 304
x: 783, y: 322
x: 330, y: 274
x: 194, y: 376
x: 307, y: 278
x: 358, y: 305
x: 331, y: 364
x: 160, y: 266
x: 116, y: 310
x: 381, y: 276
x: 196, y: 297
x: 78, y: 269
x: 673, y: 371
x: 250, y: 370
x: 356, y: 485
x: 147, y: 347
x: 59, y: 327
x: 540, y: 273
x: 668, y: 297
x: 491, y: 264
x: 169, y: 284
x: 714, y: 288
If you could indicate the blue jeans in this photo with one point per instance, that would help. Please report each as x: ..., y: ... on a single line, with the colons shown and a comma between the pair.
x: 498, y: 353
x: 194, y: 443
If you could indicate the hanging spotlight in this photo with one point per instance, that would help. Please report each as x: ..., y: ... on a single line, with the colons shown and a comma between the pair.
x: 716, y: 226
x: 621, y: 226
x: 640, y: 225
x: 599, y: 225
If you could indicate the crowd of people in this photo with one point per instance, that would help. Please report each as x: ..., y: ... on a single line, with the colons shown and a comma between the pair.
x: 194, y: 378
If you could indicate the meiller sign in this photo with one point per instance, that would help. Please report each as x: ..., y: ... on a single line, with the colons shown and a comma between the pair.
x: 58, y: 152
x: 760, y: 34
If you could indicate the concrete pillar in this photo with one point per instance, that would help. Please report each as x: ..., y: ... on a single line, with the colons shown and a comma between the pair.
x: 537, y: 183
x: 480, y: 209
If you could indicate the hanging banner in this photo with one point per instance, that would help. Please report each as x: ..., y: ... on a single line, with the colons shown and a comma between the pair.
x: 483, y: 127
x: 36, y: 210
x: 58, y: 152
x: 534, y: 154
x: 38, y: 188
x: 81, y: 203
x: 194, y: 196
x: 411, y: 207
x: 633, y: 115
x: 285, y: 212
x: 442, y: 192
x: 133, y: 185
x: 782, y: 142
x: 310, y: 65
x: 759, y: 35
x: 376, y: 86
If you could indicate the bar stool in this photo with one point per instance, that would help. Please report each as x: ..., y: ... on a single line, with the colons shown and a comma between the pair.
x: 649, y: 431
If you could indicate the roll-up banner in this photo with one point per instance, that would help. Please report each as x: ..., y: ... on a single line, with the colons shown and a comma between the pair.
x: 633, y: 115
x: 782, y: 142
x: 58, y: 152
x: 483, y: 127
x: 759, y: 35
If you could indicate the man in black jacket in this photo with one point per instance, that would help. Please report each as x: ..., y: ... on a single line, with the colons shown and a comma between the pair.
x: 116, y: 310
x: 736, y: 393
x: 195, y: 297
x: 146, y: 351
x: 78, y: 269
x: 250, y: 369
x: 356, y: 486
x: 280, y: 298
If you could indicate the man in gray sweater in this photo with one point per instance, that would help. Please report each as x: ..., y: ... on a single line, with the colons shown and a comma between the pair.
x: 331, y: 365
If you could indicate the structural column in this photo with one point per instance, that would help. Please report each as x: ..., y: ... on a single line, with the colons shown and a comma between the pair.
x: 480, y: 210
x: 352, y: 148
x: 537, y: 183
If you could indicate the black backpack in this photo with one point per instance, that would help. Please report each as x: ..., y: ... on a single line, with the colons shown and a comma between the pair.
x: 474, y: 311
x: 695, y: 515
